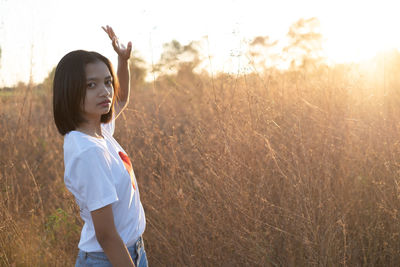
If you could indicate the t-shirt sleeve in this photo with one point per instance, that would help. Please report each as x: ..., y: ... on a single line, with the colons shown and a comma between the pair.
x: 91, y: 179
x: 110, y: 126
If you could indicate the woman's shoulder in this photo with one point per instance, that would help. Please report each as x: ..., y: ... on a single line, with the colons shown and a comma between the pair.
x: 78, y: 144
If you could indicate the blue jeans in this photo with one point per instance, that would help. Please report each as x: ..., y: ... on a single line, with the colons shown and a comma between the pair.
x: 99, y: 259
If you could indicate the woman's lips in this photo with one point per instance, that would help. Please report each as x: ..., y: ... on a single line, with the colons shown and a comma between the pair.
x: 105, y: 103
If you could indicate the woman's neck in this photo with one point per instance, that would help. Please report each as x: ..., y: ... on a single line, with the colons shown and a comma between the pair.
x: 91, y: 128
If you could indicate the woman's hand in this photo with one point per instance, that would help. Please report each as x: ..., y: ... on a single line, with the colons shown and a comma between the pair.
x: 122, y: 51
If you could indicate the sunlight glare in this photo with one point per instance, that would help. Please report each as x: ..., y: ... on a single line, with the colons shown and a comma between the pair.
x: 361, y: 36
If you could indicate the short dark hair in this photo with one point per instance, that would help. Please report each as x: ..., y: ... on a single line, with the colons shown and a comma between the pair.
x: 69, y: 89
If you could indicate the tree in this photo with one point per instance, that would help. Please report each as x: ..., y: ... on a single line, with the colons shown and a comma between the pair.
x: 178, y: 58
x: 305, y: 43
x: 138, y: 71
x: 260, y: 52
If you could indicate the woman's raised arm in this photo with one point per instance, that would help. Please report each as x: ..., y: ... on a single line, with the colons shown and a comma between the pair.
x: 124, y: 54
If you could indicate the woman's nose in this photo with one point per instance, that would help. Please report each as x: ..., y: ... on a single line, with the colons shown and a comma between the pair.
x: 105, y: 90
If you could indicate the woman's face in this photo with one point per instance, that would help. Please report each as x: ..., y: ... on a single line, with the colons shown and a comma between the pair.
x: 99, y: 91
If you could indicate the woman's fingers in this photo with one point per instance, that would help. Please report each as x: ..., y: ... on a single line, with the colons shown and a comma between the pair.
x: 115, y: 43
x: 129, y: 48
x: 106, y: 30
x: 109, y: 31
x: 119, y: 48
x: 112, y: 31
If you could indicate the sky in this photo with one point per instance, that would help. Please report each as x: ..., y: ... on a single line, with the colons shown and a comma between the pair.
x: 36, y: 34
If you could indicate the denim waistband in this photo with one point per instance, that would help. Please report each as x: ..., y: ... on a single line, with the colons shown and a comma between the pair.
x: 136, y: 244
x: 131, y: 247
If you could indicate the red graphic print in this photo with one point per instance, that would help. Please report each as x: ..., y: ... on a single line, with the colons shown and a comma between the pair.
x: 128, y: 166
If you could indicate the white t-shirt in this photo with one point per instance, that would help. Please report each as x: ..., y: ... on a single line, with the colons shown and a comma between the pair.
x: 98, y: 172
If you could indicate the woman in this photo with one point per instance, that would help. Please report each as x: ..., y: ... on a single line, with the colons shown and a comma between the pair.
x: 87, y: 98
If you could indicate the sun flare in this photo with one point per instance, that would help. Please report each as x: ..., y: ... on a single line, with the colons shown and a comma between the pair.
x: 360, y: 36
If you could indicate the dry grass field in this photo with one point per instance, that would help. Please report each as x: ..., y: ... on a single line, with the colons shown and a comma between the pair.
x: 296, y: 168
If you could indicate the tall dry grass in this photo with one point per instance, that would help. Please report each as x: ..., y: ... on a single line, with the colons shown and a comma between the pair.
x: 276, y: 169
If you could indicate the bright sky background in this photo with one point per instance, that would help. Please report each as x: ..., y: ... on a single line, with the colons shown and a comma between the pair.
x: 45, y: 30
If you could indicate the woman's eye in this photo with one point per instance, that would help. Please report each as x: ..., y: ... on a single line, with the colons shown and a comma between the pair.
x: 109, y: 82
x: 91, y: 85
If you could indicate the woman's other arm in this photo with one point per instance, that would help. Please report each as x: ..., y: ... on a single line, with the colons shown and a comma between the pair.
x: 109, y: 239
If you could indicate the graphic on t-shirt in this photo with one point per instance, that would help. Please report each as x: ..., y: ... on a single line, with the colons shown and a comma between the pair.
x: 128, y: 166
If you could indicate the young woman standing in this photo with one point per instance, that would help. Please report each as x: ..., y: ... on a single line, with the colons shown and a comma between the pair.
x: 87, y: 98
